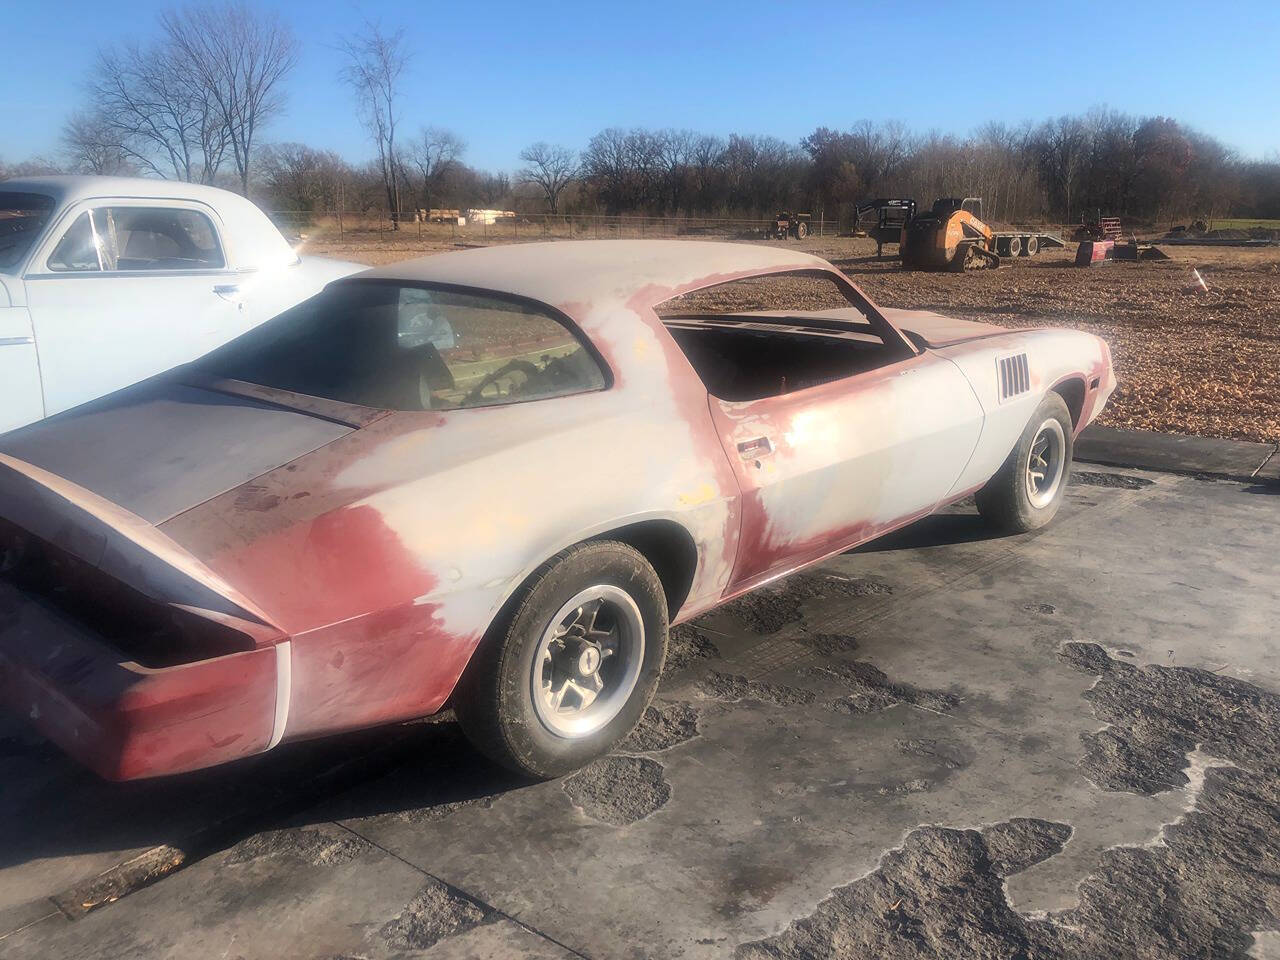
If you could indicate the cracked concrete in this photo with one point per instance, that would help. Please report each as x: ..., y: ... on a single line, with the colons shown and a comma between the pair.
x: 773, y: 607
x: 687, y: 645
x: 725, y: 686
x: 830, y: 644
x: 312, y: 847
x: 1123, y: 481
x: 1097, y: 781
x: 662, y: 727
x: 1158, y: 715
x: 619, y: 790
x: 938, y: 895
x: 434, y: 913
x: 871, y: 689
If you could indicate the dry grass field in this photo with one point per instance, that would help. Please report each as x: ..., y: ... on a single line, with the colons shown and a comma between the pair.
x: 1187, y: 361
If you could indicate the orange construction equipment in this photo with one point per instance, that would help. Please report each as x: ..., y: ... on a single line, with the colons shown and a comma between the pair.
x: 952, y: 236
x: 949, y: 237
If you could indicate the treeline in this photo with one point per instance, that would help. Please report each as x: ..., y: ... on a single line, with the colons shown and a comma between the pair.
x: 194, y: 103
x: 1146, y: 169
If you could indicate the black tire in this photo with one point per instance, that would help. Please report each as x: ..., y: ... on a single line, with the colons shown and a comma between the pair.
x: 1031, y: 247
x: 494, y: 701
x: 1006, y: 501
x: 802, y: 231
x: 1015, y: 247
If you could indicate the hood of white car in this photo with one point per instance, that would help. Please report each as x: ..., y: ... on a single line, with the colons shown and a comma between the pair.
x: 162, y: 447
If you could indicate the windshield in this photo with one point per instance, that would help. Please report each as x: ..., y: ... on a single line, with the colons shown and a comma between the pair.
x: 22, y: 217
x: 402, y: 347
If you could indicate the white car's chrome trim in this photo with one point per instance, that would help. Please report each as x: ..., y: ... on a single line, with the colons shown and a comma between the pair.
x: 284, y: 690
x: 15, y: 341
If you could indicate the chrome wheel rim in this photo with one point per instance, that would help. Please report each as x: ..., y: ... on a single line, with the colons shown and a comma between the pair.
x: 1045, y: 463
x: 588, y: 662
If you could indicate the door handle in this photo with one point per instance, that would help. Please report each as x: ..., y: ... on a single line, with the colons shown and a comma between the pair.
x: 755, y: 448
x: 228, y: 291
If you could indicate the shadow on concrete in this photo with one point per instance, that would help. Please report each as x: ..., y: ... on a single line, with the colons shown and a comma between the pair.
x: 939, y: 530
x: 1264, y: 488
x: 52, y: 808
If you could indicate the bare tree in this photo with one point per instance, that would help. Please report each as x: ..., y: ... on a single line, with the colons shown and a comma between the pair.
x: 91, y: 145
x: 238, y: 56
x: 551, y: 168
x: 376, y: 61
x: 1063, y: 146
x: 676, y: 148
x: 158, y: 114
x: 304, y: 180
x: 434, y: 154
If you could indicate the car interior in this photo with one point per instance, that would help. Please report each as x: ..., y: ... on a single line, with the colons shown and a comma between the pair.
x: 775, y: 334
x: 410, y: 348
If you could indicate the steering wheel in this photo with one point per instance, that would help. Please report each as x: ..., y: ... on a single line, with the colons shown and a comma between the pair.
x: 530, y: 371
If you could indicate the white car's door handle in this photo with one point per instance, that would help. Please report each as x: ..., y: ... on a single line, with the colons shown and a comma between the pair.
x: 228, y: 291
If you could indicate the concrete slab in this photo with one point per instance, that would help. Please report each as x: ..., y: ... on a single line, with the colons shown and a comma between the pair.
x: 1270, y: 469
x: 61, y: 826
x: 1150, y: 450
x: 300, y: 892
x: 826, y: 749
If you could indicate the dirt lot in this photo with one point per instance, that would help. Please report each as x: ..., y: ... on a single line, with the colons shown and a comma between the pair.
x: 1188, y: 362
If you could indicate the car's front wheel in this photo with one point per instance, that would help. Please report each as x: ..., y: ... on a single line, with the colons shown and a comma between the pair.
x: 1028, y: 489
x: 570, y: 669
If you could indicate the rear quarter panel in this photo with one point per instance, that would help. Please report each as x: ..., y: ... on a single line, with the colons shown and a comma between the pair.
x: 387, y: 554
x: 1055, y: 358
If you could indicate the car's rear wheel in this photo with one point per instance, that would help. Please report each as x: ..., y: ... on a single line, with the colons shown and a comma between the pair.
x: 1028, y: 489
x: 569, y: 671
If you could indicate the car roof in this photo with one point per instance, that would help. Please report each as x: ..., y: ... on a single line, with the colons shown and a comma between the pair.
x: 69, y: 188
x: 581, y: 276
x: 253, y: 240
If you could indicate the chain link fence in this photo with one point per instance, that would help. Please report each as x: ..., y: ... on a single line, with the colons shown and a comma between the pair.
x: 366, y: 226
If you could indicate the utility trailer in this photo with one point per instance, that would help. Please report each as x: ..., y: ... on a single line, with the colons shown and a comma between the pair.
x: 891, y: 214
x: 952, y: 236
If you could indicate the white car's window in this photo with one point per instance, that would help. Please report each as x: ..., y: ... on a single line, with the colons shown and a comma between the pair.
x: 138, y: 238
x: 412, y: 348
x: 22, y: 217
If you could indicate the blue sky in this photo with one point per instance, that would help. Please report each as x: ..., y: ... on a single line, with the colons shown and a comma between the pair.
x: 502, y: 75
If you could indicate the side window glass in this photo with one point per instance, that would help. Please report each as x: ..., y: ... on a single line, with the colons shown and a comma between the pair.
x: 155, y: 238
x: 138, y: 238
x: 78, y: 248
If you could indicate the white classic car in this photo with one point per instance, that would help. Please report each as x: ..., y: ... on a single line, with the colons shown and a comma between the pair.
x: 105, y: 281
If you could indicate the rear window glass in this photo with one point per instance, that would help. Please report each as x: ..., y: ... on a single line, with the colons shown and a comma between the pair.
x: 406, y: 347
x: 22, y: 217
x: 786, y: 293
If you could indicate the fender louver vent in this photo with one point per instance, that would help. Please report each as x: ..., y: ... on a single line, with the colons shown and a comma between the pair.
x: 1015, y: 376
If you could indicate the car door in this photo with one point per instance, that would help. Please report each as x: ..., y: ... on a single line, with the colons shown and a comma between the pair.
x: 20, y: 399
x: 827, y: 467
x: 125, y: 289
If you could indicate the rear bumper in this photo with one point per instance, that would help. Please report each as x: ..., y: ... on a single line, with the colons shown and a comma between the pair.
x: 123, y: 720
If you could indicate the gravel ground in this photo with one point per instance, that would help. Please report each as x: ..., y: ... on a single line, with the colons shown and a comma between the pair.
x: 1188, y: 362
